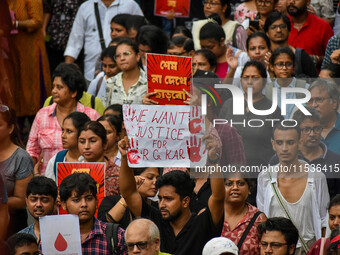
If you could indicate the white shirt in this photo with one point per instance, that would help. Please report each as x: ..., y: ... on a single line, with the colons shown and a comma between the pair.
x: 102, y: 90
x: 320, y: 198
x: 85, y: 33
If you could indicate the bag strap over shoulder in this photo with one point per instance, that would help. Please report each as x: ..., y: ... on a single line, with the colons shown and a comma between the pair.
x: 99, y: 26
x: 112, y: 237
x: 245, y: 233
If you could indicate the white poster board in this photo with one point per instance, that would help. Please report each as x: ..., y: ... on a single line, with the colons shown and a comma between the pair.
x: 60, y: 234
x: 165, y: 135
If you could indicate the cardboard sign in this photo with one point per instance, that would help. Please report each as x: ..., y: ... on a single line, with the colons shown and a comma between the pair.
x: 168, y: 76
x: 96, y: 170
x: 60, y: 234
x: 165, y: 136
x: 180, y: 7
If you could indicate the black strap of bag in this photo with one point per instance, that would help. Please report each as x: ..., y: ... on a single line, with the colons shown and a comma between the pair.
x: 99, y: 26
x: 245, y: 233
x: 112, y: 237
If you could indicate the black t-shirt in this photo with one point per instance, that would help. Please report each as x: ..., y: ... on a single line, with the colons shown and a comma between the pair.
x: 192, y: 238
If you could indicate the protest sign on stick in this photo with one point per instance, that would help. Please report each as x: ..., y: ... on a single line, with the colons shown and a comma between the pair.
x: 168, y: 75
x: 180, y: 7
x: 60, y: 234
x: 165, y: 135
x: 96, y: 170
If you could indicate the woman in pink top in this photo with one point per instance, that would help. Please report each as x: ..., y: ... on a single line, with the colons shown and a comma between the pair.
x: 45, y: 136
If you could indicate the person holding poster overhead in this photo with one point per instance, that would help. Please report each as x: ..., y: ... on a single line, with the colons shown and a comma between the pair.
x: 92, y: 142
x: 181, y: 231
x: 78, y: 195
x: 128, y: 86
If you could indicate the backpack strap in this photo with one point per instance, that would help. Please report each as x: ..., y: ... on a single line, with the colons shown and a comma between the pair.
x: 298, y: 68
x: 51, y: 101
x: 245, y: 233
x: 99, y: 84
x: 99, y: 26
x: 234, y: 36
x: 59, y: 158
x: 112, y: 237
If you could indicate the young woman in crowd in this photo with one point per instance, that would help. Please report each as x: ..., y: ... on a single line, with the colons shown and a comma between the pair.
x: 204, y: 60
x: 118, y: 25
x: 133, y: 24
x: 16, y: 168
x: 45, y: 135
x: 92, y: 142
x: 258, y: 45
x: 113, y: 127
x: 212, y: 38
x: 234, y: 31
x: 114, y: 208
x: 282, y: 64
x: 238, y: 215
x: 181, y: 31
x: 321, y: 245
x: 264, y: 8
x: 97, y: 86
x: 117, y: 110
x: 151, y: 39
x: 69, y: 137
x: 128, y: 86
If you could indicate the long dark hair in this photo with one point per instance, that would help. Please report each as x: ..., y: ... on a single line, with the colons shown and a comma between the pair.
x: 10, y: 118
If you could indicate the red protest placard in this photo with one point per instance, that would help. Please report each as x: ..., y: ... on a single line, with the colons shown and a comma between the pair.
x: 168, y: 75
x: 96, y: 170
x: 181, y: 7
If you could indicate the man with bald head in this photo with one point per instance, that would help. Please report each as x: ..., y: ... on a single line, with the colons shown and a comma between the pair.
x: 142, y: 237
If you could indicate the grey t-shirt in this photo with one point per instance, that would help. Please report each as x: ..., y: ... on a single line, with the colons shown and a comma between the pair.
x: 18, y: 166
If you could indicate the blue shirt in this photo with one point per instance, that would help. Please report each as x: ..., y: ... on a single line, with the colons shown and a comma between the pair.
x: 332, y: 140
x: 29, y: 230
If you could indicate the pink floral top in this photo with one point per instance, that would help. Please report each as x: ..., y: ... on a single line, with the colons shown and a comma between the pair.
x: 251, y: 243
x: 242, y: 13
x: 45, y: 134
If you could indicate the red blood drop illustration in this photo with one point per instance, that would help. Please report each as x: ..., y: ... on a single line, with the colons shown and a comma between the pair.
x: 60, y: 243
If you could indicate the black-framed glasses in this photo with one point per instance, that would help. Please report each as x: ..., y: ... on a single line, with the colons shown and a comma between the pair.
x: 317, y: 100
x: 274, y: 245
x: 140, y: 245
x: 280, y: 65
x: 125, y: 54
x: 4, y: 108
x: 307, y: 130
x: 237, y: 183
x: 210, y: 3
x: 281, y: 26
x: 266, y: 3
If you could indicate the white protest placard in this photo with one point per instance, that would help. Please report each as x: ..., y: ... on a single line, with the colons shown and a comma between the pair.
x: 165, y: 135
x: 60, y: 235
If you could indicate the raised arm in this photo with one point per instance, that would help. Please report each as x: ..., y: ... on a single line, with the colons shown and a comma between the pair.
x: 127, y: 183
x: 216, y: 200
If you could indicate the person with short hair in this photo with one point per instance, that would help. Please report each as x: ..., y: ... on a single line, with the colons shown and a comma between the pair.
x: 41, y: 200
x: 181, y: 231
x: 294, y: 188
x: 181, y: 46
x: 78, y: 195
x: 23, y: 243
x: 278, y: 236
x: 142, y: 237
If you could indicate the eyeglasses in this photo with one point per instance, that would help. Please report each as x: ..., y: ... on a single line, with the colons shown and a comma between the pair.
x: 281, y: 26
x: 280, y: 65
x: 307, y: 130
x: 266, y: 3
x: 317, y: 100
x: 4, y: 108
x: 140, y: 245
x: 125, y: 53
x: 274, y: 246
x: 238, y: 183
x: 211, y: 3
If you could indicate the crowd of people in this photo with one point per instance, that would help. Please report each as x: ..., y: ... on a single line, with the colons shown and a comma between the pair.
x: 68, y: 67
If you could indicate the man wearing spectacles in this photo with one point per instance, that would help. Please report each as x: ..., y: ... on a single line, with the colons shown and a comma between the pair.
x: 278, y: 236
x: 277, y: 28
x: 294, y: 189
x: 142, y: 237
x: 325, y: 99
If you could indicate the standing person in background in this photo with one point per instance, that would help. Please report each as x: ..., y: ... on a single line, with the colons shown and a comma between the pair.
x: 16, y: 168
x: 85, y: 33
x: 34, y: 83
